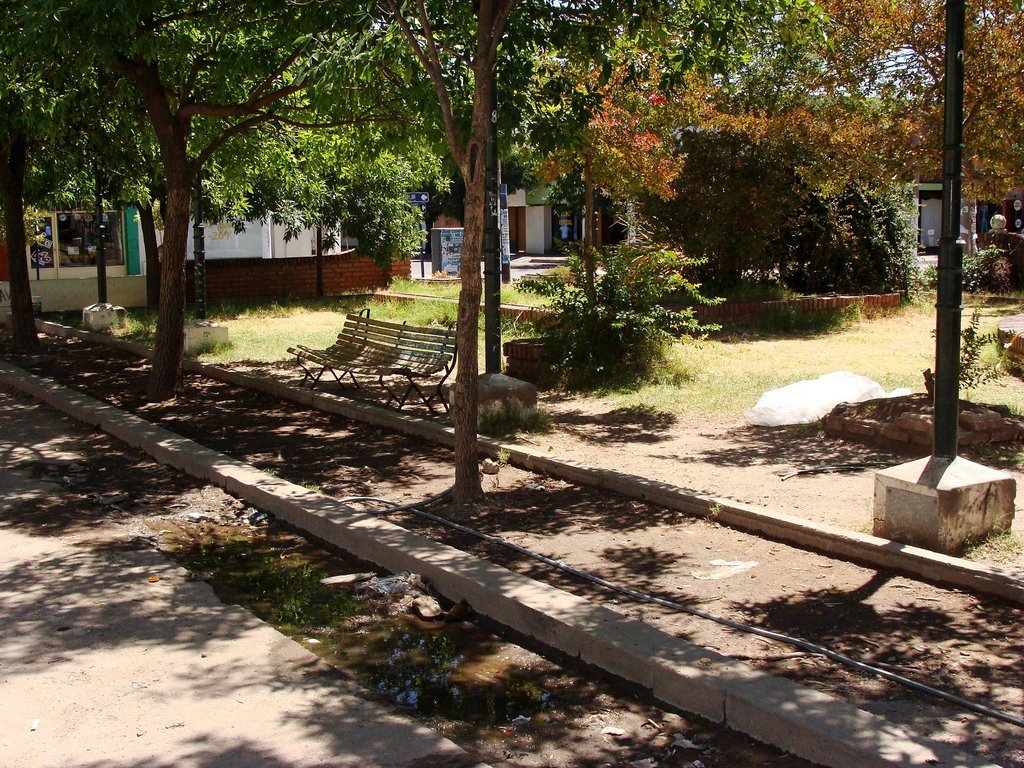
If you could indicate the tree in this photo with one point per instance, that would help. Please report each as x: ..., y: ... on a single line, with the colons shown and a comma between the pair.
x: 892, y: 54
x: 456, y: 48
x: 206, y: 73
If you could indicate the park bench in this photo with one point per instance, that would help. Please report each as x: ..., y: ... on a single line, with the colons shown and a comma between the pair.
x: 376, y: 348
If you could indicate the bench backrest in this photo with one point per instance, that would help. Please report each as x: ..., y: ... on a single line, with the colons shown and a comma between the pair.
x: 404, y: 341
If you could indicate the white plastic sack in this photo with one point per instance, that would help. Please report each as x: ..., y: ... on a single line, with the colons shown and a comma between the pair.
x: 807, y: 401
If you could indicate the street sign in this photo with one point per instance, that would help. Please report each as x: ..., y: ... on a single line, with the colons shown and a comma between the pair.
x: 419, y: 199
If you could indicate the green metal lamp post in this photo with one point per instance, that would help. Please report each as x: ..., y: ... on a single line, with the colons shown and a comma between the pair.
x: 950, y: 268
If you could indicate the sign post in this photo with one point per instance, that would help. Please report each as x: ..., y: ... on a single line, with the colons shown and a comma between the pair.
x: 420, y: 200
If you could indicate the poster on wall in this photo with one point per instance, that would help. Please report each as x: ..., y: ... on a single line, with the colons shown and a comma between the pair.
x: 446, y: 249
x: 41, y: 245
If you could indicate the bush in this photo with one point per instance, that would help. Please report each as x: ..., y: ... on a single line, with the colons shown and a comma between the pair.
x: 621, y: 333
x: 855, y: 242
x: 987, y: 270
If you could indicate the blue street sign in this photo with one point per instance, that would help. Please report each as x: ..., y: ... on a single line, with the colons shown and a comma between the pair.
x: 419, y: 198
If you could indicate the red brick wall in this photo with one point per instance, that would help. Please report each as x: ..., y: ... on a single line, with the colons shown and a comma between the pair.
x: 290, y: 278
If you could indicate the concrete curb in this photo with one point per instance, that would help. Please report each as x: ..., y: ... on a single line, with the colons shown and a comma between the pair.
x: 791, y: 716
x: 859, y: 547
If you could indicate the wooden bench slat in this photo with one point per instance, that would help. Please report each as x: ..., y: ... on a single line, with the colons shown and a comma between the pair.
x: 375, y: 347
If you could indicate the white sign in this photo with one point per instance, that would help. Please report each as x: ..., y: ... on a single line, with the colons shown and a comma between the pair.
x: 506, y: 246
x: 450, y: 242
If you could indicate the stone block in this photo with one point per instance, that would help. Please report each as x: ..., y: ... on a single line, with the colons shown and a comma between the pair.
x: 204, y: 334
x: 501, y: 394
x: 979, y: 420
x: 915, y: 422
x: 865, y: 428
x: 893, y: 432
x: 100, y: 317
x: 941, y: 505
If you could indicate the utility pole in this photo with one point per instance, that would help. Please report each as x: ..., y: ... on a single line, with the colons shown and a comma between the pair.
x: 199, y: 247
x: 101, y: 255
x: 492, y: 244
x: 950, y: 268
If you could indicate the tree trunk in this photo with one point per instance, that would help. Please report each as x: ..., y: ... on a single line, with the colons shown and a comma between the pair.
x: 148, y: 225
x: 12, y: 177
x: 169, y: 344
x: 589, y: 262
x: 465, y: 406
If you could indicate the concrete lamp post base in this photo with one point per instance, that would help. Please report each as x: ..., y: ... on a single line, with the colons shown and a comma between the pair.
x: 100, y: 317
x: 502, y: 396
x: 942, y: 504
x: 204, y: 334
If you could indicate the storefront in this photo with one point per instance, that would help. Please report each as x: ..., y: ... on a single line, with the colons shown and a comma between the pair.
x: 65, y: 244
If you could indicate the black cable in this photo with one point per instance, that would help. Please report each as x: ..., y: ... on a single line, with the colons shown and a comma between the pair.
x: 796, y: 642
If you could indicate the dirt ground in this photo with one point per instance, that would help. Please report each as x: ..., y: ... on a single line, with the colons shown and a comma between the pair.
x: 945, y: 638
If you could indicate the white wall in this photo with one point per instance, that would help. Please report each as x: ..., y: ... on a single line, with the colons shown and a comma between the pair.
x: 538, y: 228
x: 75, y: 293
x: 222, y: 242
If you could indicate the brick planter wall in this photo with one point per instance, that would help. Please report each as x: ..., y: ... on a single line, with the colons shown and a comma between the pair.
x: 525, y: 360
x: 732, y: 311
x: 289, y: 278
x: 913, y: 432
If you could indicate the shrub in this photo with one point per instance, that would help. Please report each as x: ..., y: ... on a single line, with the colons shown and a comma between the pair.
x: 854, y: 242
x: 987, y: 269
x: 621, y: 333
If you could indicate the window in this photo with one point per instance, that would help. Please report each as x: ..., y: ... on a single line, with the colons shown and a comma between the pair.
x: 77, y: 238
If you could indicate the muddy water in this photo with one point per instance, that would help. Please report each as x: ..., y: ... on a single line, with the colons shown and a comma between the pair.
x: 510, y: 706
x: 450, y: 670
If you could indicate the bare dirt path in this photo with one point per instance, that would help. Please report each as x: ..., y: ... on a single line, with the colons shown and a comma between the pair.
x: 945, y: 638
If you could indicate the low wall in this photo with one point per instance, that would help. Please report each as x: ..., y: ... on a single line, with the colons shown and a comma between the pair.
x: 733, y: 311
x: 77, y: 292
x: 730, y: 311
x: 290, y: 278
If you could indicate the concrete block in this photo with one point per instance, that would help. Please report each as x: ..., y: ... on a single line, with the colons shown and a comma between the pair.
x: 501, y: 394
x: 940, y: 504
x: 204, y: 334
x: 100, y: 317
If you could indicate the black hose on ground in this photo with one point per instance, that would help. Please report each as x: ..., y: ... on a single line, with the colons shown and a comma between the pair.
x: 796, y: 642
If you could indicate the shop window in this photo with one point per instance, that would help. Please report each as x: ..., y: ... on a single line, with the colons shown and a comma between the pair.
x: 40, y: 247
x: 78, y: 239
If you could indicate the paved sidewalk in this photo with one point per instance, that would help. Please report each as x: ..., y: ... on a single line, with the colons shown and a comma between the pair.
x: 110, y: 656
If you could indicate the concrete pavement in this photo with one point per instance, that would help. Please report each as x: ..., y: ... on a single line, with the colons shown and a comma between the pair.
x: 794, y: 717
x: 111, y: 656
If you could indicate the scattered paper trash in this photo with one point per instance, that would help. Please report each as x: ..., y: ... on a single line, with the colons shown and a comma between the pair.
x: 520, y: 720
x: 684, y: 743
x: 257, y: 516
x: 724, y: 569
x: 696, y: 764
x: 807, y: 401
x: 346, y: 578
x: 35, y: 725
x: 611, y: 730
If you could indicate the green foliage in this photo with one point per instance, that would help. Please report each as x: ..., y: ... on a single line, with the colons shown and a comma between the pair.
x: 501, y: 422
x: 973, y: 370
x: 623, y: 333
x: 854, y: 242
x: 987, y: 269
x: 789, y: 320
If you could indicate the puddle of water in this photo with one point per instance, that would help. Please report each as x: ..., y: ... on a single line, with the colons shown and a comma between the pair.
x: 454, y: 672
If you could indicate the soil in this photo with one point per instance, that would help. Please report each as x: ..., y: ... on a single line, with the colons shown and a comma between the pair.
x: 945, y: 638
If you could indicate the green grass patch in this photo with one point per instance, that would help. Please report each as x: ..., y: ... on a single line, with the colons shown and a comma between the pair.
x: 1002, y: 547
x: 510, y: 292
